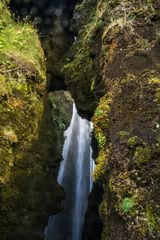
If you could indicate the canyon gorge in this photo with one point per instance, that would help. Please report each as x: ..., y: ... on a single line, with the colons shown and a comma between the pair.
x: 79, y: 83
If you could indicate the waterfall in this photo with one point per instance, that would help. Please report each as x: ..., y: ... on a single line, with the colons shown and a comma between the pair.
x: 75, y: 177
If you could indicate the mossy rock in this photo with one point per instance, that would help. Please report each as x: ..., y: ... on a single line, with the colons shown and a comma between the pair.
x: 143, y: 155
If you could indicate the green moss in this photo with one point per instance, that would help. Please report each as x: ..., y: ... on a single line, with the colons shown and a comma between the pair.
x: 133, y: 141
x: 152, y: 221
x: 158, y: 95
x: 101, y: 166
x: 103, y: 209
x: 19, y: 44
x: 3, y: 89
x: 154, y: 80
x: 143, y: 154
x: 127, y: 205
x: 99, y: 112
x: 101, y: 140
x: 75, y: 77
x: 100, y: 122
x: 9, y: 134
x: 22, y: 85
x: 123, y: 135
x: 153, y: 218
x: 101, y: 116
x: 111, y: 185
x: 61, y: 112
x: 92, y: 85
x: 80, y: 71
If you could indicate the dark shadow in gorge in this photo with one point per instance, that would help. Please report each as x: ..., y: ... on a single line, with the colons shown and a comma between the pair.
x: 52, y: 18
x: 44, y: 12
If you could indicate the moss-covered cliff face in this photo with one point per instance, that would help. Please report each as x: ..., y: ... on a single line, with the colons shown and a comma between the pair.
x: 115, y: 73
x: 30, y: 138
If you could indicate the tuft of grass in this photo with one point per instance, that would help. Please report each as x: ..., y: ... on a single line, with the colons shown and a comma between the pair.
x: 18, y: 43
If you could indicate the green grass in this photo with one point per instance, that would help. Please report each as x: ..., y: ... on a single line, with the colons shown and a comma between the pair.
x: 18, y: 43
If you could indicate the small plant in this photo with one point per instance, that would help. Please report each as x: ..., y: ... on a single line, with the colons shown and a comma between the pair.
x: 99, y: 112
x: 127, y: 205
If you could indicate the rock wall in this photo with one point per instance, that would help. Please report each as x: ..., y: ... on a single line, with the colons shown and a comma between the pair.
x: 114, y: 74
x: 112, y: 71
x: 31, y: 130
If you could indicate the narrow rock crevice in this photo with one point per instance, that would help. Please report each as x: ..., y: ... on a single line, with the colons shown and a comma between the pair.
x: 52, y: 18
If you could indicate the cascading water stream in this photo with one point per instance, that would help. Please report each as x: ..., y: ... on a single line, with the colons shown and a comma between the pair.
x: 75, y: 176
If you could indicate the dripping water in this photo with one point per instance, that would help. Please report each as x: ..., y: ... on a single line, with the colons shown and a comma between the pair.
x: 75, y: 177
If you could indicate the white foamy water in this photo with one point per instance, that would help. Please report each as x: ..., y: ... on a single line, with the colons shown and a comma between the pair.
x: 75, y: 177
